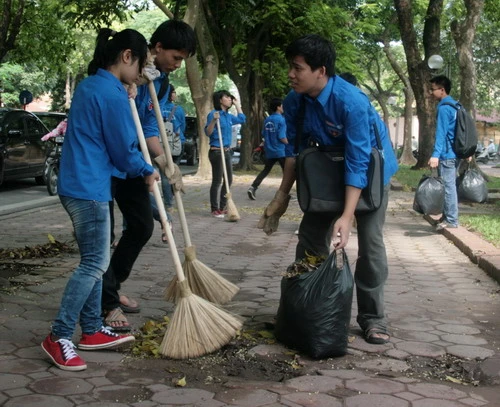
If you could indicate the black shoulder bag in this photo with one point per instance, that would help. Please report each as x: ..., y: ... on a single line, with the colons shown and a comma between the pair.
x: 321, y: 176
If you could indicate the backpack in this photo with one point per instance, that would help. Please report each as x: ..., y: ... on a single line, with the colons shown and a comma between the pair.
x: 464, y: 143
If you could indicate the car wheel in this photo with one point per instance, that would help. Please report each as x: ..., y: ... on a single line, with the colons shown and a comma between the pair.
x: 52, y: 174
x: 193, y: 158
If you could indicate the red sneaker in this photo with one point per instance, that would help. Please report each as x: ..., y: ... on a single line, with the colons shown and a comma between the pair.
x: 103, y: 339
x: 62, y: 354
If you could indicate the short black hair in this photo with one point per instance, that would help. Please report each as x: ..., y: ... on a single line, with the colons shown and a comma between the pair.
x: 316, y: 51
x: 274, y: 104
x: 175, y: 34
x: 443, y: 81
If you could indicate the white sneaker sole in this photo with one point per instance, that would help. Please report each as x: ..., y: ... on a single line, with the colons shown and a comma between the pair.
x: 109, y: 345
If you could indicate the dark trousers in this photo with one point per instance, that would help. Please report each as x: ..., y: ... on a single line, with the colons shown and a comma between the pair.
x: 132, y: 197
x: 371, y: 266
x: 268, y: 166
x: 218, y: 198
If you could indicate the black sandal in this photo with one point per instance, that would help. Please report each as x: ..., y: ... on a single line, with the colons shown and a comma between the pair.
x: 370, y: 337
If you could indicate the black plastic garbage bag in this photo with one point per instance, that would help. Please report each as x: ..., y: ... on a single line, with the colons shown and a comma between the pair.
x: 429, y: 196
x: 315, y: 309
x: 472, y: 186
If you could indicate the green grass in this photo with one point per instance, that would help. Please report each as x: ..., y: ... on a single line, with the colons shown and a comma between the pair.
x: 486, y: 224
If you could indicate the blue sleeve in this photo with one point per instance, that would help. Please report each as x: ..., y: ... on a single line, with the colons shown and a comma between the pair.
x: 121, y: 138
x: 282, y: 128
x: 358, y: 142
x: 240, y: 118
x: 145, y: 107
x: 445, y: 116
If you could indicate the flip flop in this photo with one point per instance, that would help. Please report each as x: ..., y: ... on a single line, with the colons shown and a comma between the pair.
x: 114, y: 317
x: 129, y: 305
x: 370, y: 337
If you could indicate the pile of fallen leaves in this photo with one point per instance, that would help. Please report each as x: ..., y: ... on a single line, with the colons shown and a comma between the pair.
x: 53, y: 248
x: 306, y: 265
x: 148, y: 339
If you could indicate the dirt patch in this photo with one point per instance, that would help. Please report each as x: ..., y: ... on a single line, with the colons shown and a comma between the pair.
x: 240, y: 362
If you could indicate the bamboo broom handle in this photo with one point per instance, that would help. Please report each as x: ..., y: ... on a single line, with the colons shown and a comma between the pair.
x: 224, y: 169
x: 157, y: 195
x: 170, y: 162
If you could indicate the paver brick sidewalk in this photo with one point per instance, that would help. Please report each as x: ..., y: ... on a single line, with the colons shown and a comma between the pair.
x: 437, y: 303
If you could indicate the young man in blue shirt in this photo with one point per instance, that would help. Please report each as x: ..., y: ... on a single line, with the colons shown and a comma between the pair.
x: 171, y: 43
x: 443, y: 157
x: 337, y: 113
x: 274, y: 133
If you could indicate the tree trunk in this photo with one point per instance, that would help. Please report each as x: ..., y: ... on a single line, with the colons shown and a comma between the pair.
x: 463, y: 34
x: 407, y: 154
x: 407, y: 157
x: 10, y: 25
x: 418, y: 72
x: 201, y: 83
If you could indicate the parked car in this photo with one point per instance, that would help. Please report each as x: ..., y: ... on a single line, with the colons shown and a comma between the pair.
x: 22, y: 153
x: 50, y: 119
x: 191, y: 154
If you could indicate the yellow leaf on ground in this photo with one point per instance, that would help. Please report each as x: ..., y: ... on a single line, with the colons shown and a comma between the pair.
x: 181, y: 382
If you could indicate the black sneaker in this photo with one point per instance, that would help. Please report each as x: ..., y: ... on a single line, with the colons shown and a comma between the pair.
x: 251, y: 193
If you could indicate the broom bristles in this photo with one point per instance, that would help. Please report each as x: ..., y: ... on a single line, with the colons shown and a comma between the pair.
x: 202, y: 280
x: 232, y: 212
x: 197, y: 327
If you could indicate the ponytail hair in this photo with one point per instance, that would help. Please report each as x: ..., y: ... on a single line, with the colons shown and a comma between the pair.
x: 110, y: 44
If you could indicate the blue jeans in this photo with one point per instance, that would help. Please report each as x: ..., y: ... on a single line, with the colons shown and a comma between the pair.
x: 448, y: 173
x: 81, y: 299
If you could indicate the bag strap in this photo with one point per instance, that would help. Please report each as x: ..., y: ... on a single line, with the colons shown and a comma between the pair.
x: 163, y: 87
x: 377, y: 137
x: 301, y: 112
x: 458, y: 106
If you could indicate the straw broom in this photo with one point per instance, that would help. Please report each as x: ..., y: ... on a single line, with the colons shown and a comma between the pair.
x: 202, y: 280
x: 232, y: 212
x: 197, y: 327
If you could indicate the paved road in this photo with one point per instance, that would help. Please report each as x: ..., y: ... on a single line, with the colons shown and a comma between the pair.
x: 439, y: 305
x: 25, y: 194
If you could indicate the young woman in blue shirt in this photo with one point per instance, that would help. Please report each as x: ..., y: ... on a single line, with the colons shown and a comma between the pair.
x: 223, y: 101
x: 100, y: 139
